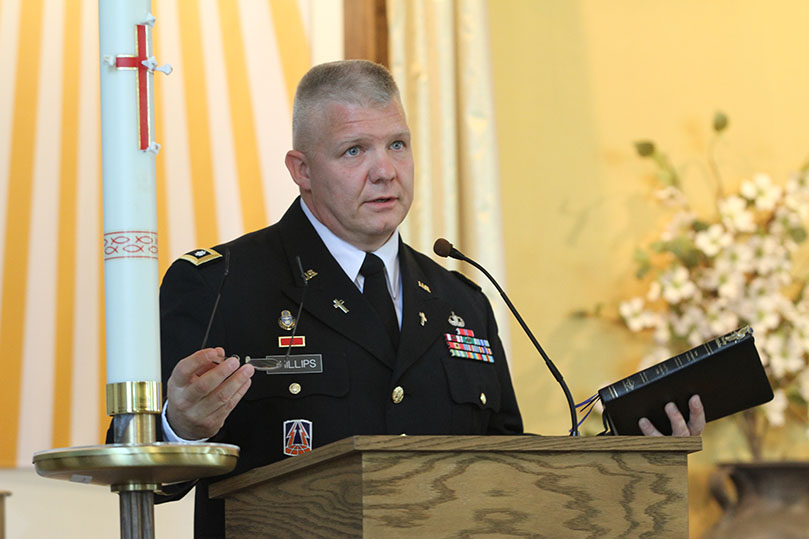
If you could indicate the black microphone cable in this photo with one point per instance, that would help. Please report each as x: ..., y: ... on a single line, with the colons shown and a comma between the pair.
x: 218, y: 297
x: 300, y: 308
x: 444, y: 249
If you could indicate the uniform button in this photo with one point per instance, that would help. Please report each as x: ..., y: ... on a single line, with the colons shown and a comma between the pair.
x: 398, y: 394
x: 483, y: 399
x: 294, y: 388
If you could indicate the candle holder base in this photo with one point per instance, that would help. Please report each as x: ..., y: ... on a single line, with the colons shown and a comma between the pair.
x: 128, y: 467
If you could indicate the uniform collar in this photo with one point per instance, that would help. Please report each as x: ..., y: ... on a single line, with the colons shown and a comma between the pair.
x: 351, y: 258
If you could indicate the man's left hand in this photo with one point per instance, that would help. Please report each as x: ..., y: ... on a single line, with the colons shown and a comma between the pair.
x: 694, y: 427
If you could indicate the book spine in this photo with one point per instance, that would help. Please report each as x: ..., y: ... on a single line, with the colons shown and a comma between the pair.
x: 655, y: 372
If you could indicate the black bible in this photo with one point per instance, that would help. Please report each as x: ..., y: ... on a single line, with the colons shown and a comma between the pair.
x: 726, y: 373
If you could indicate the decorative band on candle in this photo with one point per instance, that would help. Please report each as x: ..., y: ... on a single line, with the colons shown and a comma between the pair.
x: 130, y: 244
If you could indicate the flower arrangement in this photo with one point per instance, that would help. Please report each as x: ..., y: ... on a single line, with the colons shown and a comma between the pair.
x: 709, y: 276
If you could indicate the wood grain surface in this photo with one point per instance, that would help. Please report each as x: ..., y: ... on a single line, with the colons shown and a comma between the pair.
x: 440, y: 486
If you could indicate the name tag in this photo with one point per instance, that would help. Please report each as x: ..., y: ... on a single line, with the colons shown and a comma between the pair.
x: 294, y: 364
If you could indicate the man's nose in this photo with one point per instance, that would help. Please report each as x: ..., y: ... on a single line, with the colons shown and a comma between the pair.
x: 382, y: 169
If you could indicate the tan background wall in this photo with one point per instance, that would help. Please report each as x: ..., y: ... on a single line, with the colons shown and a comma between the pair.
x: 576, y: 82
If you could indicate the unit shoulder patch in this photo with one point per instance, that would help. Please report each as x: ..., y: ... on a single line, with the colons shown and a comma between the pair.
x: 466, y: 280
x: 200, y: 256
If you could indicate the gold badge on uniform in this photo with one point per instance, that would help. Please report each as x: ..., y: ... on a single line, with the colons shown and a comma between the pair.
x: 200, y: 256
x: 287, y: 321
x: 425, y: 287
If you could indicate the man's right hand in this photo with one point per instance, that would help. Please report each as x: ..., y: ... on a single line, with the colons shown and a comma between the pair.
x: 202, y: 391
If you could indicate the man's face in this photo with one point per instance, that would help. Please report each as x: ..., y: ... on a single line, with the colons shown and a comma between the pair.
x: 357, y: 175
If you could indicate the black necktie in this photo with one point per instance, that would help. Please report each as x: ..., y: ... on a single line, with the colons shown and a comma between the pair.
x: 375, y: 290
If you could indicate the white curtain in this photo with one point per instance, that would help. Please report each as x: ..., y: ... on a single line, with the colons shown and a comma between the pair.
x: 439, y: 56
x: 223, y: 119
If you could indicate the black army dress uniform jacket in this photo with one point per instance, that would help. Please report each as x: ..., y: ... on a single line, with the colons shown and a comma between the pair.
x: 354, y: 394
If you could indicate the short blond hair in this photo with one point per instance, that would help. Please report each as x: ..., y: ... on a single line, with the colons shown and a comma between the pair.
x: 354, y: 82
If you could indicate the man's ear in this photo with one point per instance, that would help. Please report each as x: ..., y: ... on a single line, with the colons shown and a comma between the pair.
x: 296, y: 164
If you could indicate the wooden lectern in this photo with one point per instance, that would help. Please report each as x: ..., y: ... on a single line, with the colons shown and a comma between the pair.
x: 465, y: 486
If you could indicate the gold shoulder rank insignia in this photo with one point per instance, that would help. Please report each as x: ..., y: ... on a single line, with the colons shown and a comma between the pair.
x: 200, y: 256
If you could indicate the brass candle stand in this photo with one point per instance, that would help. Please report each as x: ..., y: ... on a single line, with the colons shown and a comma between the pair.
x: 136, y: 465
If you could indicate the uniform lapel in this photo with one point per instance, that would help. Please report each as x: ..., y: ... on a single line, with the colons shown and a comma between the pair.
x: 331, y: 297
x: 424, y: 315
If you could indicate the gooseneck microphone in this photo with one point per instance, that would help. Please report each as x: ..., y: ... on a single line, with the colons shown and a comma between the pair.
x: 444, y: 249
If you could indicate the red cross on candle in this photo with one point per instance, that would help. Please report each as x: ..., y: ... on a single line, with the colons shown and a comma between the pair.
x: 128, y: 61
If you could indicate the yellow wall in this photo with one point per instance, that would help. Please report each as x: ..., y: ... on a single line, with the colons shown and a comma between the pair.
x: 576, y: 82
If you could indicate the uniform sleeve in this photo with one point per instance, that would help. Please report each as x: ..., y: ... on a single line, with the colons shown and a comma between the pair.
x: 508, y: 420
x: 186, y: 302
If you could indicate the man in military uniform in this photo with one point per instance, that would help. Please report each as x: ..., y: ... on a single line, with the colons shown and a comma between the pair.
x: 387, y: 341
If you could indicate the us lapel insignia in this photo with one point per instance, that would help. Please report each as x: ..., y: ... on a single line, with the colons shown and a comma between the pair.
x: 309, y: 274
x: 465, y: 345
x: 287, y: 321
x: 297, y: 437
x: 423, y: 318
x: 456, y: 320
x: 425, y: 287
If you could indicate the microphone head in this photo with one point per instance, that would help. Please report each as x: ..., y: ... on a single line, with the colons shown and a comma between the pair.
x: 442, y: 247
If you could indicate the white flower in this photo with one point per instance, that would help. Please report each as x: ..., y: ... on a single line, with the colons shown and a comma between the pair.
x: 720, y: 318
x: 761, y: 191
x: 761, y: 312
x: 691, y: 324
x: 712, y: 240
x: 680, y: 224
x: 803, y: 384
x: 654, y: 291
x: 786, y: 220
x: 735, y: 215
x: 785, y: 354
x: 801, y: 332
x: 662, y: 334
x: 671, y: 196
x: 658, y: 354
x: 730, y: 283
x: 768, y: 255
x: 677, y: 285
x: 798, y: 185
x: 775, y: 408
x: 635, y: 316
x: 738, y: 257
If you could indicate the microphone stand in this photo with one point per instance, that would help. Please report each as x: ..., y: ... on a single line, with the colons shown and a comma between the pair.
x: 441, y: 250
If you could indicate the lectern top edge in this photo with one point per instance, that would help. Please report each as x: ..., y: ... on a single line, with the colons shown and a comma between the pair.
x: 502, y: 444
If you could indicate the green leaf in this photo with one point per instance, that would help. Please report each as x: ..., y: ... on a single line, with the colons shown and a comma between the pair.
x: 699, y: 226
x: 720, y: 121
x: 641, y: 257
x: 645, y: 148
x: 685, y: 250
x: 798, y: 234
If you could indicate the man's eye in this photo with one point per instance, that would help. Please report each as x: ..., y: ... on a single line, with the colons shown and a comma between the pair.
x: 353, y: 151
x: 398, y: 145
